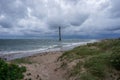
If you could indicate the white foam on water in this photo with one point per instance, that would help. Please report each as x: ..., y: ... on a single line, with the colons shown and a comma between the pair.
x: 49, y: 48
x: 60, y: 47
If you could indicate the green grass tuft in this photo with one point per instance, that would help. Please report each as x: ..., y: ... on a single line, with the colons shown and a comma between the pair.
x: 22, y: 60
x: 87, y: 76
x: 97, y: 65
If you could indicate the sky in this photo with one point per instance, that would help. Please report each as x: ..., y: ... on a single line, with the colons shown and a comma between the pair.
x: 77, y: 18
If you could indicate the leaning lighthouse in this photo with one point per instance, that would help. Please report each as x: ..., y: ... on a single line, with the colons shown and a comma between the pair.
x: 60, y: 33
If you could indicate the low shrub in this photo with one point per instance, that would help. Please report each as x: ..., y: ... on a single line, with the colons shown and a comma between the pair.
x: 96, y: 67
x: 115, y: 58
x: 88, y: 76
x: 11, y: 71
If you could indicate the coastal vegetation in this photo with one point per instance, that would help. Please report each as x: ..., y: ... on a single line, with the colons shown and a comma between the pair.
x: 22, y: 61
x: 11, y: 71
x: 94, y: 61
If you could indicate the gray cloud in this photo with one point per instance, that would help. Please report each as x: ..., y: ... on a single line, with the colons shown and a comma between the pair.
x: 115, y: 8
x: 76, y: 17
x: 14, y: 8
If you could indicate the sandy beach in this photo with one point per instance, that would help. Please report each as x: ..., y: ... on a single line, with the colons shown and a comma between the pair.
x: 44, y: 67
x: 77, y: 64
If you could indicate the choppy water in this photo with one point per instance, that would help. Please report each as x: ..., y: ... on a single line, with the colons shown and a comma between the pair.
x: 31, y: 46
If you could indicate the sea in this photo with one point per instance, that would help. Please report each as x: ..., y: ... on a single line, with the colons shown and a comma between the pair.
x: 17, y: 48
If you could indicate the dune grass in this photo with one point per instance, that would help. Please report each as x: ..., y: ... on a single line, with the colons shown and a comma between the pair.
x: 22, y: 61
x: 96, y: 59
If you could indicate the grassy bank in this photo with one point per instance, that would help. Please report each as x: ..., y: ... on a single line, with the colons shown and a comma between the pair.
x: 94, y: 61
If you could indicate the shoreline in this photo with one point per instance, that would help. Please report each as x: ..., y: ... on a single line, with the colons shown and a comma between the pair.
x: 14, y: 56
x: 23, y: 54
x: 58, y: 65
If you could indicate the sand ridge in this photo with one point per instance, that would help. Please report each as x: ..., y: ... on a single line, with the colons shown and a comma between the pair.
x: 45, y: 67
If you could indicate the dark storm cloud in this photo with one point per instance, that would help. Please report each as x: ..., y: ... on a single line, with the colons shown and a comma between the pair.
x: 115, y: 28
x: 42, y: 17
x: 115, y: 8
x: 6, y: 25
x: 78, y: 20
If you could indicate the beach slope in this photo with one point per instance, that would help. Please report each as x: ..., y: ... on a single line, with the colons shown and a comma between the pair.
x: 42, y: 66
